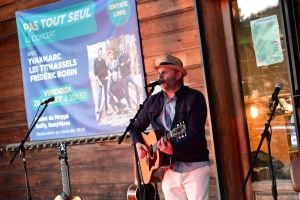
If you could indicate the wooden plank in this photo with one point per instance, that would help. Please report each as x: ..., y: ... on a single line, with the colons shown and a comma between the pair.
x: 34, y: 165
x: 15, y: 193
x: 6, y: 2
x: 15, y: 135
x: 104, y: 158
x: 107, y: 191
x: 8, y: 11
x: 160, y: 7
x: 179, y: 41
x: 283, y: 196
x: 195, y: 75
x: 52, y: 178
x: 12, y: 105
x: 12, y: 121
x: 169, y: 23
x: 44, y: 159
x: 11, y: 74
x: 8, y: 28
x: 10, y: 59
x: 9, y: 44
x: 102, y: 175
x: 12, y: 90
x: 45, y: 193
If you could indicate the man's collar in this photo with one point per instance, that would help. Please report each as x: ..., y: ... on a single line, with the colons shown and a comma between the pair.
x: 175, y: 93
x: 180, y: 89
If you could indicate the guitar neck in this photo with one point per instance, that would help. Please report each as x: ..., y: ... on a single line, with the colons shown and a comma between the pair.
x: 65, y: 177
x: 166, y: 138
x: 176, y: 132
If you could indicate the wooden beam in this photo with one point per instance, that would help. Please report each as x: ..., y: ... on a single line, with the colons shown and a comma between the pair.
x: 221, y: 104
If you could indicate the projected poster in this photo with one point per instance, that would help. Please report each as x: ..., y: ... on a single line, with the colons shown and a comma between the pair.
x: 85, y: 54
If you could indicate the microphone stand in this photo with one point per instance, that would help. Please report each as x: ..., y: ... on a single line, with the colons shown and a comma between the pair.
x: 266, y: 134
x: 130, y: 126
x: 130, y: 129
x: 21, y: 148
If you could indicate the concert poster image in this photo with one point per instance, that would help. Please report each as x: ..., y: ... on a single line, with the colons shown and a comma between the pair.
x: 86, y: 54
x: 116, y: 79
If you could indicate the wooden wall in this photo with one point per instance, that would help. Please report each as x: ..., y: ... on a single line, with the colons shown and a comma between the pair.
x: 99, y: 167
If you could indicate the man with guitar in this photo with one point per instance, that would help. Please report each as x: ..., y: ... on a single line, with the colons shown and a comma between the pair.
x: 188, y: 175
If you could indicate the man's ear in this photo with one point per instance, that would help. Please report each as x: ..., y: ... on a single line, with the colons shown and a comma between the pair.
x: 178, y: 75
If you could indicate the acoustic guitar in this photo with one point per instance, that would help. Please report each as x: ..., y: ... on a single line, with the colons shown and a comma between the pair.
x: 62, y: 155
x: 154, y: 165
x: 147, y: 190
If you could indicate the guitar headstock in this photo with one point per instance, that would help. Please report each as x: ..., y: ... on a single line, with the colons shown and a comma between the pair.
x: 62, y: 151
x: 179, y: 131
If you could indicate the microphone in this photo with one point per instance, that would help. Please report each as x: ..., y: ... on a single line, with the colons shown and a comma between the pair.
x: 278, y: 87
x: 51, y: 99
x: 155, y: 83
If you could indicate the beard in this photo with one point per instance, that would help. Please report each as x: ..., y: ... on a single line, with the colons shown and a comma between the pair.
x: 168, y: 84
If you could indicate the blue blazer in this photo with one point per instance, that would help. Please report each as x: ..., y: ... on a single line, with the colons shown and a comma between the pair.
x: 192, y: 111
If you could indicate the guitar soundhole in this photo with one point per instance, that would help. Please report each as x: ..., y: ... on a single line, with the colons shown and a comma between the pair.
x: 151, y: 151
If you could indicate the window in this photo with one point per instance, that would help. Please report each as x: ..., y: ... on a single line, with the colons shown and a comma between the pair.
x: 262, y: 65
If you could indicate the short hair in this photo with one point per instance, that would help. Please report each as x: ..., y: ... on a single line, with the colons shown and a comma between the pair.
x: 100, y: 49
